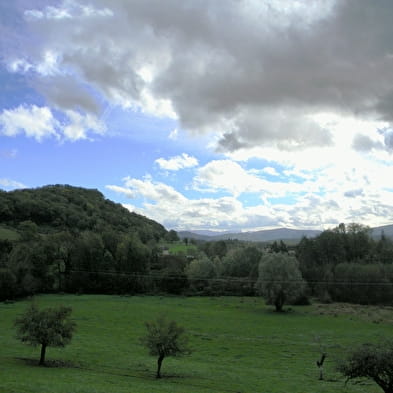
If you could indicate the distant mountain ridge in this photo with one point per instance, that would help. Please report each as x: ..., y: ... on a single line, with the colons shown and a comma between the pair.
x: 253, y: 236
x: 269, y: 235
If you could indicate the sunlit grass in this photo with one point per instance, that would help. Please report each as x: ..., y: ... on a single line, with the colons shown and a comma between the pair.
x: 240, y: 345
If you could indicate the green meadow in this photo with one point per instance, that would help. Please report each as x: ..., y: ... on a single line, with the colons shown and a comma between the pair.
x: 239, y: 345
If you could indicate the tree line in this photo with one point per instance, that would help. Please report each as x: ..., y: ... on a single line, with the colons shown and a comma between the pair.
x: 74, y: 240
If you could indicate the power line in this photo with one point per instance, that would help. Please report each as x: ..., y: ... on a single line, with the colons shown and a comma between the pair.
x: 232, y: 280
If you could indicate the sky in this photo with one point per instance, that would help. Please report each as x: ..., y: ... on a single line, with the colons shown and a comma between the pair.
x: 232, y: 115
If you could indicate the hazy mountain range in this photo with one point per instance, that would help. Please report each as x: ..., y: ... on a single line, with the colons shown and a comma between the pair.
x: 270, y: 235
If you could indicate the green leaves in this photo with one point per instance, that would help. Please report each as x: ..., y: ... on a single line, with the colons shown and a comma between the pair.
x: 280, y: 280
x: 371, y: 361
x: 47, y: 327
x: 165, y: 338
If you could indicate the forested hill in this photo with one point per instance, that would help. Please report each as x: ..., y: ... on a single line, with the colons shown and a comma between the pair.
x: 57, y: 208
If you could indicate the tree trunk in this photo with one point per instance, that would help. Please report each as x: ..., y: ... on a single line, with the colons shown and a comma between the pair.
x: 42, y: 358
x: 159, y: 362
x: 279, y: 302
x: 321, y: 373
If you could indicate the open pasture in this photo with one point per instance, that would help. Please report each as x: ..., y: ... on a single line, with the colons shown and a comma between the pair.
x: 240, y: 345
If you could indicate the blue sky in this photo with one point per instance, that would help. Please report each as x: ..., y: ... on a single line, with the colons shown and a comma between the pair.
x: 244, y: 116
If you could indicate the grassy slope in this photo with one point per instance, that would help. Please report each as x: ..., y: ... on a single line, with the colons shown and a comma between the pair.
x: 239, y: 346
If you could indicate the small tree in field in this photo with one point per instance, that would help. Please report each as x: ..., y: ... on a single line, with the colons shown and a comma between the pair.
x: 371, y: 361
x: 164, y: 338
x: 279, y: 280
x: 50, y: 327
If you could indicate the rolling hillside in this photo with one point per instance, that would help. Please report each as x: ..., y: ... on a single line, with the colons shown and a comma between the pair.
x: 56, y: 208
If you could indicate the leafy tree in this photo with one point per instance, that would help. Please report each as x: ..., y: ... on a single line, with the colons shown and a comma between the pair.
x: 384, y: 250
x: 132, y: 255
x: 29, y: 230
x: 50, y: 327
x: 358, y: 241
x: 280, y: 280
x: 172, y: 236
x: 171, y: 275
x: 371, y: 361
x: 199, y: 271
x: 165, y: 338
x: 242, y: 262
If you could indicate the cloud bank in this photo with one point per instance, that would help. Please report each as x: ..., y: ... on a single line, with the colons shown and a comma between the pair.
x: 256, y: 79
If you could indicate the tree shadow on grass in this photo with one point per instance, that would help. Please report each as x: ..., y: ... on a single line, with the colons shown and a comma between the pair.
x: 53, y: 363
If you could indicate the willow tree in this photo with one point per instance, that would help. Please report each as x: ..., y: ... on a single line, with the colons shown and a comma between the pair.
x: 279, y: 280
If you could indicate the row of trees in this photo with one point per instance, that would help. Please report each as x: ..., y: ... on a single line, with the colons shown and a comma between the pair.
x: 113, y: 262
x: 347, y: 264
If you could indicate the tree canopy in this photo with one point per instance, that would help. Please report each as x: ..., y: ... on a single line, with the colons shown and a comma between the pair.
x: 165, y: 338
x: 280, y: 280
x: 50, y: 327
x: 371, y: 361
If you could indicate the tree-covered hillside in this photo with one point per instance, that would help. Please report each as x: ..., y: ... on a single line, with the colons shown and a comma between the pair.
x: 65, y: 208
x: 63, y: 238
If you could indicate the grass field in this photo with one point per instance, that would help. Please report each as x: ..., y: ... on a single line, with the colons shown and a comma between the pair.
x: 180, y: 247
x: 240, y: 345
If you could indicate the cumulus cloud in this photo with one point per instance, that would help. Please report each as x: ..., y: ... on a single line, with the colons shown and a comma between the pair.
x: 174, y: 210
x: 230, y: 176
x: 255, y: 79
x: 177, y: 162
x: 65, y: 93
x: 360, y: 192
x: 35, y: 122
x: 40, y: 123
x: 80, y: 126
x: 170, y: 207
x: 363, y: 143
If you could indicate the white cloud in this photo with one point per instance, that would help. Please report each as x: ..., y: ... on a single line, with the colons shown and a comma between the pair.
x: 252, y: 85
x: 35, y: 122
x: 177, y: 162
x: 81, y: 125
x: 227, y: 175
x: 254, y: 80
x: 354, y: 189
x: 9, y: 184
x: 40, y: 123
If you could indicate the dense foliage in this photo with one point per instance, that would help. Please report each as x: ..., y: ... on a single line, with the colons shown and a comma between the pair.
x: 280, y: 280
x: 75, y: 209
x: 347, y: 264
x: 49, y: 327
x: 69, y: 239
x: 371, y: 361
